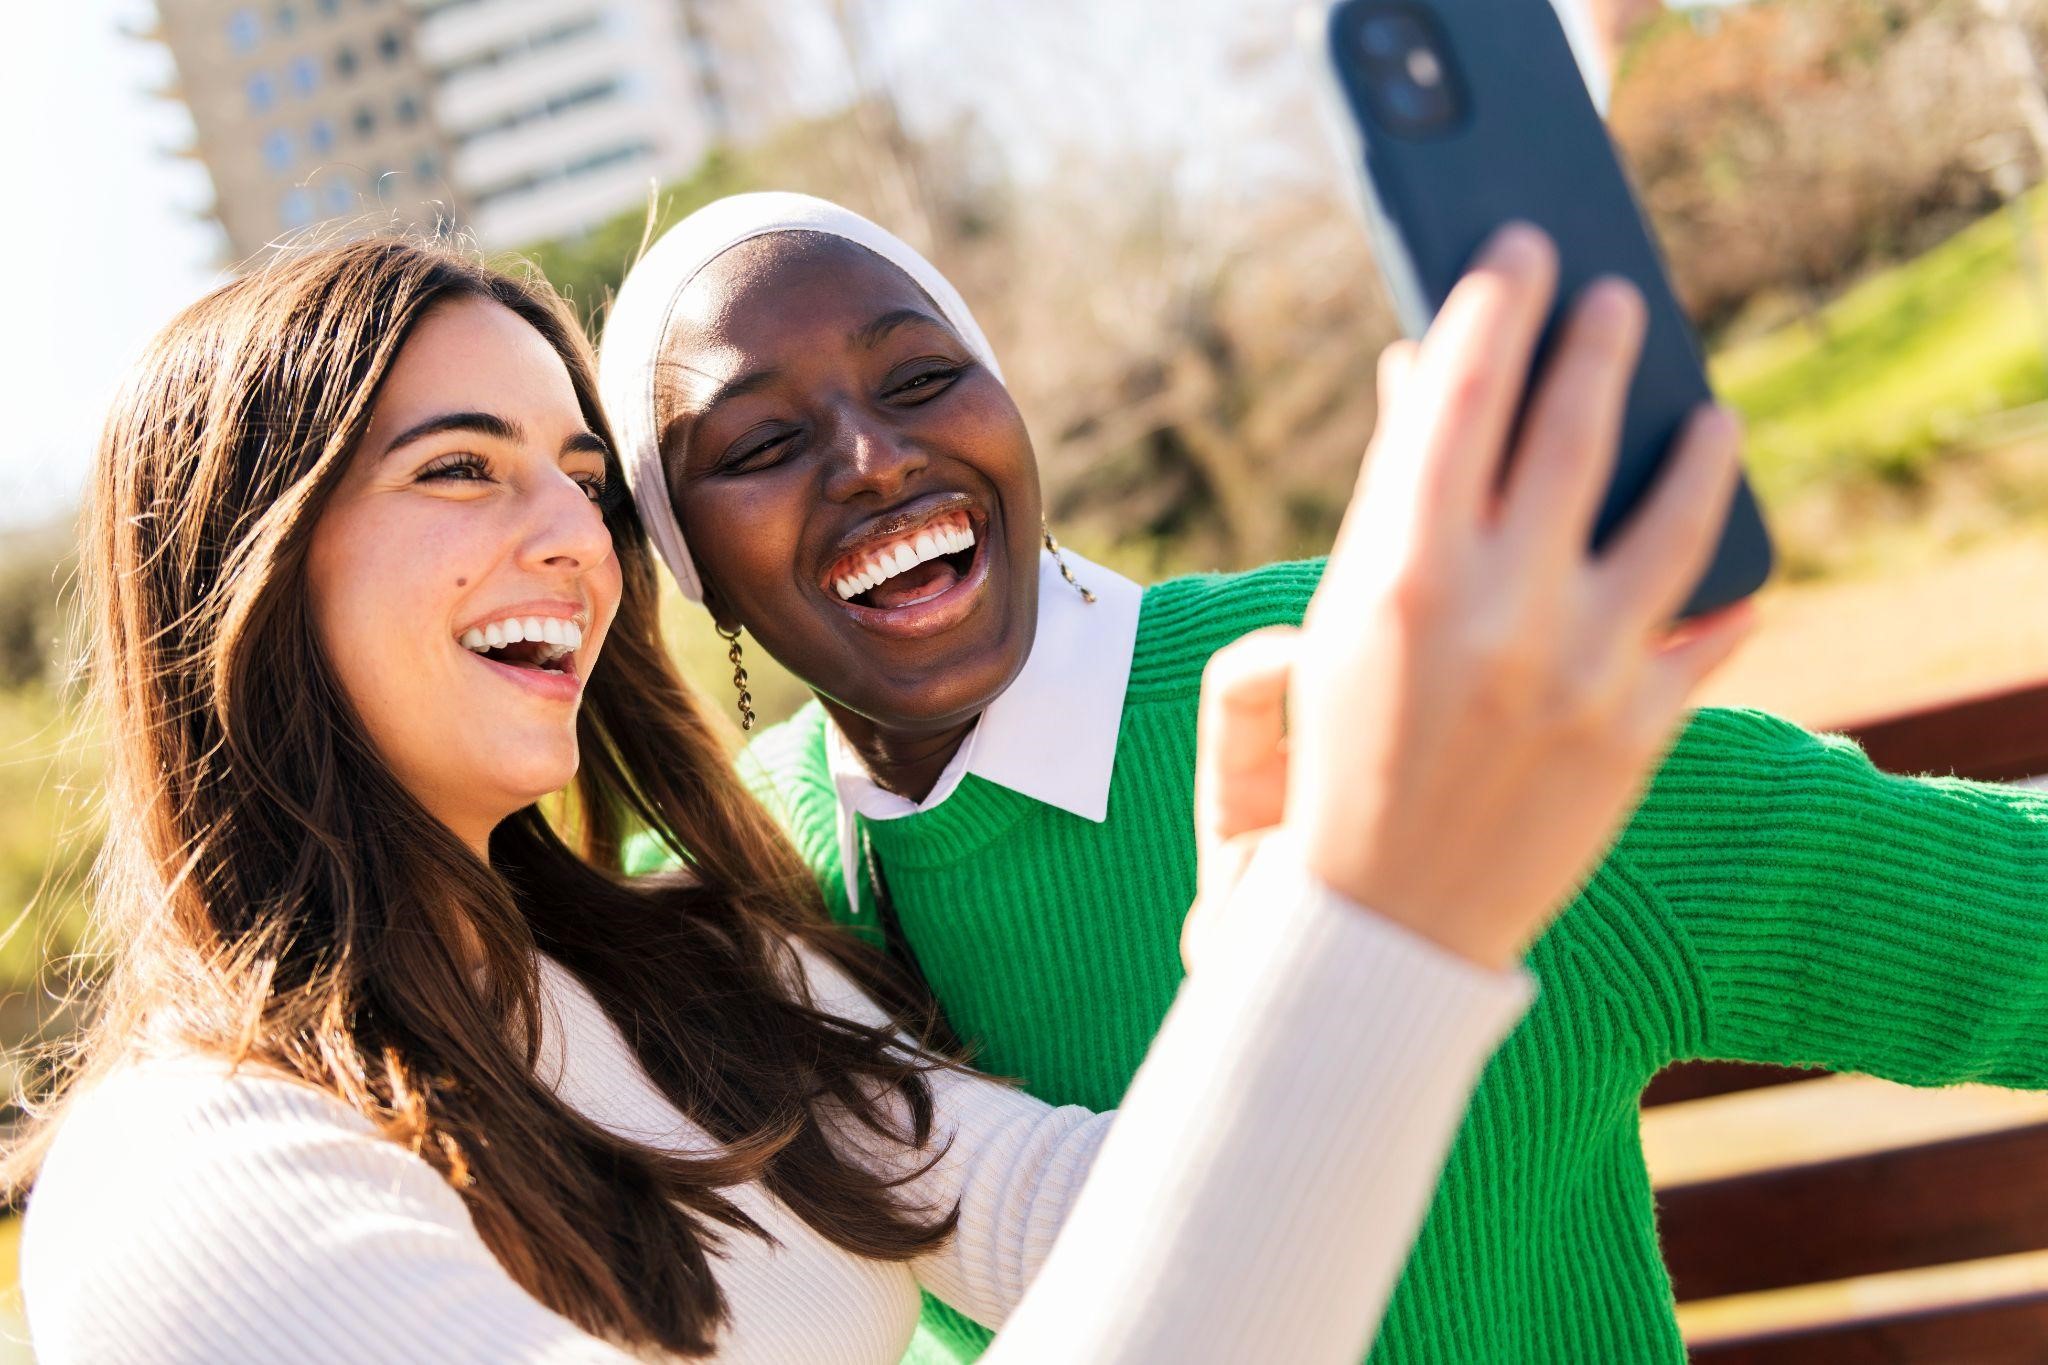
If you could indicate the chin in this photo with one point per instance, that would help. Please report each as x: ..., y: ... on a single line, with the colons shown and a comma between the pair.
x: 537, y: 778
x: 920, y: 702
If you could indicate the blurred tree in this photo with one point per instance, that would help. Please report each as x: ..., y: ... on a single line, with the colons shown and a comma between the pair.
x: 35, y: 569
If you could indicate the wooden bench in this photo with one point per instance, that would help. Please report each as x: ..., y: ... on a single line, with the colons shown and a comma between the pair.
x: 1932, y: 1204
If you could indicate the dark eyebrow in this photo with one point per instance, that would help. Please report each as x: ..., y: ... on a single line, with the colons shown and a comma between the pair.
x: 586, y: 443
x: 873, y: 332
x: 482, y: 423
x: 745, y: 384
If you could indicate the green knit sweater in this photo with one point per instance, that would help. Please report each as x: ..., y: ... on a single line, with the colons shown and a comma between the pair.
x: 1774, y: 899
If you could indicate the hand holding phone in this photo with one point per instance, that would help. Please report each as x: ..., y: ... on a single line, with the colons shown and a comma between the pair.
x: 1474, y: 703
x: 1461, y: 115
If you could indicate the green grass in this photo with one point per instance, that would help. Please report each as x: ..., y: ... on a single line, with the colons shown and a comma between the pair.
x: 1893, y: 374
x: 48, y: 830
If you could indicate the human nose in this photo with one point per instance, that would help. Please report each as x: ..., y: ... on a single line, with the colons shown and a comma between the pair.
x: 567, y: 530
x: 869, y: 458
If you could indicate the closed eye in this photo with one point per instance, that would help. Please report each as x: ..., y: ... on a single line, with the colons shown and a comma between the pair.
x: 749, y: 453
x: 927, y: 383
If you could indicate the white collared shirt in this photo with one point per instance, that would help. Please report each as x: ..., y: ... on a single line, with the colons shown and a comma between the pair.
x: 1052, y: 733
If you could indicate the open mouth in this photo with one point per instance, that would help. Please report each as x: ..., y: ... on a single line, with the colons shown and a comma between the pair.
x: 541, y: 644
x: 912, y: 564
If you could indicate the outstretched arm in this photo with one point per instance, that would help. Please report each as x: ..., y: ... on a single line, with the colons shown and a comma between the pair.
x: 1834, y: 915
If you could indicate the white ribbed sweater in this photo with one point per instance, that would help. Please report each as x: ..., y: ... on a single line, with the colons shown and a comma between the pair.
x: 1253, y: 1199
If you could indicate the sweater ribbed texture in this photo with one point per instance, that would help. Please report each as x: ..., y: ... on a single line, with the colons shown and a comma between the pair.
x: 189, y: 1215
x: 1775, y: 899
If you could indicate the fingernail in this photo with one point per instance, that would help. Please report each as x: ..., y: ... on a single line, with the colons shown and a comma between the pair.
x: 1614, y: 308
x: 1515, y: 241
x: 1720, y: 422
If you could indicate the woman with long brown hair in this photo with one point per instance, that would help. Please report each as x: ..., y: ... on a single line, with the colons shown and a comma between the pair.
x: 390, y: 1061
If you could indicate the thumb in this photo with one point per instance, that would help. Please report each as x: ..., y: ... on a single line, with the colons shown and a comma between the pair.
x: 1241, y: 757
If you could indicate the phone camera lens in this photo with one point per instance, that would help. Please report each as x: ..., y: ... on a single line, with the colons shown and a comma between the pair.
x: 1384, y: 37
x: 1402, y: 69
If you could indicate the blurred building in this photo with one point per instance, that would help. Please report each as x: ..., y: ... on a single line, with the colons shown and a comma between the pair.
x: 560, y: 112
x: 524, y: 119
x: 304, y: 110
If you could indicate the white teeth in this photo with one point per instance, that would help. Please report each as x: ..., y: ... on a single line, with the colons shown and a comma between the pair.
x: 903, y: 556
x: 557, y: 636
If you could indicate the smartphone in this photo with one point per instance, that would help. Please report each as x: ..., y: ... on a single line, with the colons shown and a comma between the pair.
x: 1461, y: 115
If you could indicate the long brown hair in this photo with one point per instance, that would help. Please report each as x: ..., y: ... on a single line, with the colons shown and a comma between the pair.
x: 273, y: 895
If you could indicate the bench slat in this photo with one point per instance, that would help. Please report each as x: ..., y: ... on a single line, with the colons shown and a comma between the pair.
x: 1959, y: 1200
x: 1998, y: 1332
x: 1703, y: 1080
x: 1996, y: 737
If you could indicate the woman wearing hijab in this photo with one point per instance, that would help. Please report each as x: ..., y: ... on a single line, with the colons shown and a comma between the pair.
x: 997, y: 778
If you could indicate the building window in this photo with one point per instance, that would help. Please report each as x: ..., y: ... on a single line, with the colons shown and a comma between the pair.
x: 426, y: 168
x: 328, y: 8
x: 277, y: 151
x: 244, y: 32
x: 339, y: 195
x: 286, y: 19
x: 295, y: 210
x: 365, y: 121
x: 305, y: 76
x: 320, y: 136
x: 390, y: 46
x: 407, y: 111
x: 346, y: 62
x: 552, y: 108
x: 262, y: 92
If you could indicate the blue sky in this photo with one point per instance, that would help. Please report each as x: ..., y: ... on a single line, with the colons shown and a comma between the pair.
x: 99, y: 237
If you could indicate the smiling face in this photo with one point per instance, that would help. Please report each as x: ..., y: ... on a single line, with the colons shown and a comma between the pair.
x: 856, y: 489
x: 461, y: 576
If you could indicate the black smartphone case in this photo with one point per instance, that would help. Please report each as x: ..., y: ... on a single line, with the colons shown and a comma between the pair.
x: 1529, y: 144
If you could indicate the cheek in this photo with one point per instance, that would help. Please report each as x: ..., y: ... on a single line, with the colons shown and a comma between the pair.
x: 988, y: 430
x: 745, y: 534
x: 383, y: 589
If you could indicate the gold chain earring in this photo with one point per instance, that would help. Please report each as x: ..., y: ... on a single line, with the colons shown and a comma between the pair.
x: 739, y: 676
x: 1065, y: 572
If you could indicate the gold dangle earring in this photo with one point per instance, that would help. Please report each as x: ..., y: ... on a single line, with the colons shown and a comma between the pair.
x: 1065, y: 572
x: 739, y: 676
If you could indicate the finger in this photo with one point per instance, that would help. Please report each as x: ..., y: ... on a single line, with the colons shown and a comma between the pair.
x: 1466, y: 385
x: 1396, y: 369
x: 1565, y: 458
x: 1652, y: 566
x: 1696, y: 650
x: 1241, y: 771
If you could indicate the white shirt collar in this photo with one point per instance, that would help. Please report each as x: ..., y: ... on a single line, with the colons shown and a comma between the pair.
x: 1052, y: 733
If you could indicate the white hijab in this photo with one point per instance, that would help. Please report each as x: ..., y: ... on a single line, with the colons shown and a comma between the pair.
x: 629, y: 361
